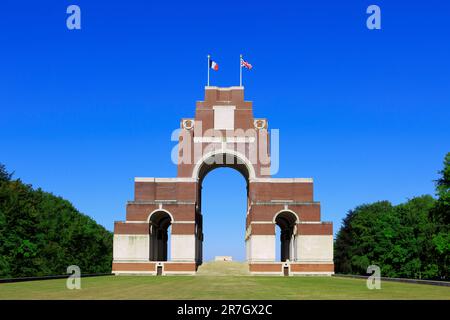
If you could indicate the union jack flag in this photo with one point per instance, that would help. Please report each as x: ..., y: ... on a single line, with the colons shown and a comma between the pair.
x: 245, y: 64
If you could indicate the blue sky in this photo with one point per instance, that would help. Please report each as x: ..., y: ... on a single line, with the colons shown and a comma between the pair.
x: 365, y: 113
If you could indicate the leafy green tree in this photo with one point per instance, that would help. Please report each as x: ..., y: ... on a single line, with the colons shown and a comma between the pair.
x: 365, y: 230
x: 4, y: 175
x: 395, y: 238
x: 409, y: 240
x: 414, y: 236
x: 42, y: 234
x: 443, y: 187
x: 440, y: 215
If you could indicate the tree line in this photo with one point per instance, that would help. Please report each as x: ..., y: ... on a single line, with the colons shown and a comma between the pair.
x: 42, y: 234
x: 410, y: 240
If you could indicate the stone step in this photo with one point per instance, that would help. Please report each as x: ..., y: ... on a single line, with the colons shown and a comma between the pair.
x: 223, y: 268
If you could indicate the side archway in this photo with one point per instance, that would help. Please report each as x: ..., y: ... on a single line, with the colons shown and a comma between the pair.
x: 159, y: 223
x: 287, y: 221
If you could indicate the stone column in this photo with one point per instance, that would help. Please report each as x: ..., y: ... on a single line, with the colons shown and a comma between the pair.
x: 164, y: 243
x: 183, y: 242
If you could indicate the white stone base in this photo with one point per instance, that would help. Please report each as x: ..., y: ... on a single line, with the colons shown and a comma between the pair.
x: 182, y: 247
x: 261, y: 248
x: 312, y: 248
x: 318, y: 273
x: 266, y: 273
x: 135, y: 273
x: 131, y: 247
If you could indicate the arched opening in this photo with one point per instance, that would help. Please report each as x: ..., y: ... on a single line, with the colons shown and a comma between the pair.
x: 227, y: 213
x: 286, y: 223
x: 221, y: 160
x: 159, y: 223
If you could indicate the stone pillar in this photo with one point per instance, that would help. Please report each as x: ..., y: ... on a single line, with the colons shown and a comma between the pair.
x: 261, y: 242
x: 183, y: 242
x: 161, y: 245
x: 315, y: 243
x: 293, y: 255
x: 199, y: 240
x: 153, y: 240
x: 164, y: 241
x: 262, y: 248
x: 131, y: 247
x: 285, y: 240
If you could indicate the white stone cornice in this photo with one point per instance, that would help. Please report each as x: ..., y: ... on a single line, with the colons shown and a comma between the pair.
x: 283, y: 180
x: 159, y: 180
x: 224, y: 88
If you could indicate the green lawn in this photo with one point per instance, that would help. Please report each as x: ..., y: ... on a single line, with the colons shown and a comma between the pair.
x: 219, y: 287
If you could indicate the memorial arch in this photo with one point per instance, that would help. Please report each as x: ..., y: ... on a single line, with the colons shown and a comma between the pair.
x: 223, y: 133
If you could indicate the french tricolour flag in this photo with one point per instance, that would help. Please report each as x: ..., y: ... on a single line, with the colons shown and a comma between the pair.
x: 213, y: 65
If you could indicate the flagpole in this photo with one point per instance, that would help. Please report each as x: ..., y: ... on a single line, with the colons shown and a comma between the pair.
x: 240, y: 70
x: 209, y: 58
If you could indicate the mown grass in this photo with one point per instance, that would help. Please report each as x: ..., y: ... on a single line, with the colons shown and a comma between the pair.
x: 219, y: 287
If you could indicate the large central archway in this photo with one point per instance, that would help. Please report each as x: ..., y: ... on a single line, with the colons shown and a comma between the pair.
x: 222, y: 159
x: 212, y: 162
x: 223, y: 212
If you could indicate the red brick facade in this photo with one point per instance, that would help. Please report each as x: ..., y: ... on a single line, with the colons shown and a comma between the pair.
x: 180, y: 198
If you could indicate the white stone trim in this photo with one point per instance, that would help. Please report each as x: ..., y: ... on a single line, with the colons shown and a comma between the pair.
x: 244, y: 139
x: 160, y: 202
x: 297, y: 219
x: 240, y: 156
x: 261, y: 222
x: 314, y: 261
x: 281, y: 201
x: 262, y: 273
x: 295, y: 203
x: 134, y: 272
x: 186, y: 221
x: 224, y: 88
x: 265, y: 262
x: 134, y: 221
x: 310, y: 222
x: 134, y: 260
x: 145, y: 179
x: 283, y: 180
x: 176, y: 262
x: 208, y: 139
x: 226, y: 107
x: 157, y: 210
x: 313, y: 273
